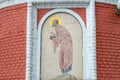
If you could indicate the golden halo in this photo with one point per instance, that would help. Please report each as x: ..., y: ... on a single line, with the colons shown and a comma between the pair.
x: 57, y: 18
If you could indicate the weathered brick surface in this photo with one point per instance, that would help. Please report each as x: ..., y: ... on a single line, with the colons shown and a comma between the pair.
x: 108, y: 42
x: 13, y: 42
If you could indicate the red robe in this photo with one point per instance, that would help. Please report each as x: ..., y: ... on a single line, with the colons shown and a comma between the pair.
x: 63, y: 38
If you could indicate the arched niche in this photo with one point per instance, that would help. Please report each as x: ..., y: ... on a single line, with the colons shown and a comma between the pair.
x: 48, y: 65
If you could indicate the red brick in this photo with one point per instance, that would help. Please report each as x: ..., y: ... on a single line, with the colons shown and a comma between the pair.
x: 12, y: 29
x: 108, y: 42
x: 81, y: 12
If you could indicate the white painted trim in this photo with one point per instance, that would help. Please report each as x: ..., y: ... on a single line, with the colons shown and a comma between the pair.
x: 62, y: 4
x: 39, y: 37
x: 57, y: 0
x: 91, y: 41
x: 29, y: 43
x: 80, y: 3
x: 118, y: 4
x: 7, y: 3
x: 87, y: 39
x: 58, y: 5
x: 112, y: 2
x: 34, y: 18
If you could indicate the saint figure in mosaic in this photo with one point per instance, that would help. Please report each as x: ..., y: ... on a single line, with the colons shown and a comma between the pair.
x: 61, y: 37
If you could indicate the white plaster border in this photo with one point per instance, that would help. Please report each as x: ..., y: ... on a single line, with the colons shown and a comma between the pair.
x: 62, y: 4
x: 7, y: 3
x: 91, y: 40
x: 112, y: 2
x: 29, y: 43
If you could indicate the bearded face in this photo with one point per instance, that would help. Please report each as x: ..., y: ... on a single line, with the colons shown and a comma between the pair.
x: 54, y: 23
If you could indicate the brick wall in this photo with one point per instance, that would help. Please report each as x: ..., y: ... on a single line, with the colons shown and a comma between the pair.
x: 81, y: 12
x: 41, y: 13
x: 13, y: 42
x: 108, y: 42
